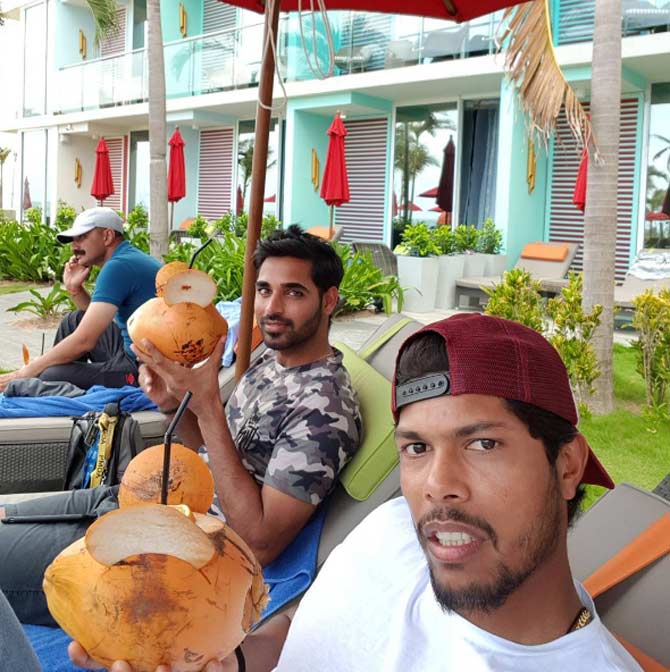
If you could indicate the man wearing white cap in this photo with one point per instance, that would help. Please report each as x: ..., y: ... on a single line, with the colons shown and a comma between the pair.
x: 92, y: 346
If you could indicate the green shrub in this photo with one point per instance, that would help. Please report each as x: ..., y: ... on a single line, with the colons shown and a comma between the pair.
x: 652, y: 322
x: 137, y: 228
x: 466, y: 238
x: 65, y: 216
x: 417, y: 241
x: 55, y: 303
x: 572, y: 335
x: 364, y: 285
x: 490, y: 238
x: 444, y: 239
x: 517, y: 297
x: 34, y: 215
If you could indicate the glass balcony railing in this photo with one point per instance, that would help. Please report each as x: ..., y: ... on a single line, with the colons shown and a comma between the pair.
x: 573, y: 19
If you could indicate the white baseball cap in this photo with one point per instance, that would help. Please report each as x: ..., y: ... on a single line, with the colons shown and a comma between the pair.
x: 103, y: 218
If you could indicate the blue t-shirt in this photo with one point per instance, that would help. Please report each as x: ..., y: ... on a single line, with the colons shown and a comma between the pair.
x: 127, y: 280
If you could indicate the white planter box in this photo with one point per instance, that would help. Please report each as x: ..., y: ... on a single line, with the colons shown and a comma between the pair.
x: 496, y: 264
x: 418, y: 278
x: 475, y: 265
x: 450, y: 270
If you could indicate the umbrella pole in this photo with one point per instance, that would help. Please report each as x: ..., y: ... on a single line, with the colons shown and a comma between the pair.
x: 330, y: 230
x: 258, y: 171
x: 171, y: 217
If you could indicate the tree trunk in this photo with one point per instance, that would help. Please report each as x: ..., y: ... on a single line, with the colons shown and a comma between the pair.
x: 600, y: 219
x: 158, y: 215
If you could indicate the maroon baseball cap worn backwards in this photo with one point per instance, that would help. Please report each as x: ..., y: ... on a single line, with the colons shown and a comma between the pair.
x: 499, y: 358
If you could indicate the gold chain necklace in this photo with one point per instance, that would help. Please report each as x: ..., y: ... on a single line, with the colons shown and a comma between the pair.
x: 583, y: 618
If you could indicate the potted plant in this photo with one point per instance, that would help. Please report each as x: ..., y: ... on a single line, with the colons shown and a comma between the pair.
x: 467, y: 243
x: 450, y: 267
x: 418, y: 267
x: 490, y: 243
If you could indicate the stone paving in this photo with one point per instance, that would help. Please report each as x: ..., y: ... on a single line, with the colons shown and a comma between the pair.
x: 17, y: 329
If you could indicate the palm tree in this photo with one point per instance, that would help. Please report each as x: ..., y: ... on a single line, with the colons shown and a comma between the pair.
x: 245, y: 157
x: 601, y: 197
x: 4, y: 153
x: 104, y: 15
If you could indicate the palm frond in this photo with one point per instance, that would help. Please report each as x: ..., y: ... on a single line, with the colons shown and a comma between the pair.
x: 530, y: 63
x: 104, y: 16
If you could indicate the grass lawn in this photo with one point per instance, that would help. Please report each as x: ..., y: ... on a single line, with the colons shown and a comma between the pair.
x: 631, y: 448
x: 12, y: 286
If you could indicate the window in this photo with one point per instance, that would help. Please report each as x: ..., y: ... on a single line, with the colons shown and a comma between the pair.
x: 657, y: 217
x: 35, y: 60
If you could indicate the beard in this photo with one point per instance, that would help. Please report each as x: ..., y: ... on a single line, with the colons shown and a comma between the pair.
x: 291, y: 336
x: 537, y: 543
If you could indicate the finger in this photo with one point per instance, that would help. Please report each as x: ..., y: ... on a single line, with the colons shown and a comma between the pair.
x: 214, y: 666
x: 80, y: 657
x: 120, y: 666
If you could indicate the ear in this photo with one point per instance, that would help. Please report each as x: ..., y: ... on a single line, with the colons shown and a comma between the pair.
x: 570, y: 465
x: 329, y: 301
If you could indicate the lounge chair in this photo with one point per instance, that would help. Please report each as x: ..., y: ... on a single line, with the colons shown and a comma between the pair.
x: 632, y: 287
x: 382, y: 256
x: 635, y: 607
x: 548, y: 263
x: 33, y: 450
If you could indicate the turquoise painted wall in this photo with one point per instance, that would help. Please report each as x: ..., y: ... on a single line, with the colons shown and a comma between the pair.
x: 170, y: 19
x: 519, y: 215
x: 69, y: 20
x: 305, y: 131
x: 187, y: 206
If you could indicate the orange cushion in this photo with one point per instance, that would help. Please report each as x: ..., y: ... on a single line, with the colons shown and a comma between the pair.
x: 186, y: 224
x: 320, y: 231
x: 545, y: 251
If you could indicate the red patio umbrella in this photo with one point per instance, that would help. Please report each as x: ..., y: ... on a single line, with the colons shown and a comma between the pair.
x: 665, y: 208
x: 239, y: 201
x: 413, y: 207
x: 454, y: 10
x: 335, y: 183
x: 103, y: 185
x: 656, y: 216
x: 445, y: 190
x: 176, y: 176
x: 579, y: 195
x: 430, y: 193
x: 270, y: 199
x: 437, y: 208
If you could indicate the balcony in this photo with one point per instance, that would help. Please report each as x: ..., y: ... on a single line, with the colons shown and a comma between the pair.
x: 573, y: 19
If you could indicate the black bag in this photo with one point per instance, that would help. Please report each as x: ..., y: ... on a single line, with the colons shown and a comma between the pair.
x: 101, y: 445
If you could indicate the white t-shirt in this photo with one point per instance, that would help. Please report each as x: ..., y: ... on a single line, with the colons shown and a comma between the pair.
x: 372, y: 608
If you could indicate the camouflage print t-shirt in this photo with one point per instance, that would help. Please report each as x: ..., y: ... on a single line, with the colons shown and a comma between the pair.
x: 295, y: 428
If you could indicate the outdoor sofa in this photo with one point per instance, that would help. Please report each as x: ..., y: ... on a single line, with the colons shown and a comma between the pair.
x: 548, y: 263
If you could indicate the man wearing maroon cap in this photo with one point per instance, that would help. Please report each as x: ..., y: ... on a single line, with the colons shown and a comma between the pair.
x: 469, y: 570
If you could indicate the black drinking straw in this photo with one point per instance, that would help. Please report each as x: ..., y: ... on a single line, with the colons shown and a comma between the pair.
x: 180, y: 411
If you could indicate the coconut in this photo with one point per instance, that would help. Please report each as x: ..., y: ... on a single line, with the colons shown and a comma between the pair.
x: 166, y: 272
x: 183, y: 332
x: 192, y: 286
x: 190, y: 480
x: 151, y: 586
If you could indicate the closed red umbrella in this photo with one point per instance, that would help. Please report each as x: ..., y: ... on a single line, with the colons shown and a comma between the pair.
x: 665, y: 208
x: 103, y: 185
x: 579, y: 195
x: 176, y: 186
x: 335, y: 183
x: 239, y: 204
x: 445, y: 190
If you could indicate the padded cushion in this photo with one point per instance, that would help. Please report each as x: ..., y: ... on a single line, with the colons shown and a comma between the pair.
x: 377, y: 454
x: 320, y: 231
x: 545, y: 251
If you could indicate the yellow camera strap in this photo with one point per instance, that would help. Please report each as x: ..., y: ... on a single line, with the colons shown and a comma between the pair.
x: 107, y: 426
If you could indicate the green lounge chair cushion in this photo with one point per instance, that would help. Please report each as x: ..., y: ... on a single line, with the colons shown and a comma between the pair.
x: 377, y: 455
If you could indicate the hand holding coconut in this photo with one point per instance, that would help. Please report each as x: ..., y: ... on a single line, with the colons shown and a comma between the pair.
x: 157, y: 585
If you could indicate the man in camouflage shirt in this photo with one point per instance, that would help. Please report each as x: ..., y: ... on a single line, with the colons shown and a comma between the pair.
x: 289, y: 428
